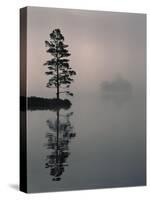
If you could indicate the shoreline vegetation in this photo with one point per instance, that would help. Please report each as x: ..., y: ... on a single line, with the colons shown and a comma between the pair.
x: 39, y: 103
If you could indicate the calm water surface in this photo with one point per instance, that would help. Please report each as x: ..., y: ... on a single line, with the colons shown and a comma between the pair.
x: 100, y: 143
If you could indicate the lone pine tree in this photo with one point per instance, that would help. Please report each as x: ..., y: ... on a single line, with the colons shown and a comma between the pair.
x: 59, y: 69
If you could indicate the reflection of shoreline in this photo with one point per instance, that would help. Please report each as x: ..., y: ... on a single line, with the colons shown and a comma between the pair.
x: 38, y: 103
x: 59, y: 137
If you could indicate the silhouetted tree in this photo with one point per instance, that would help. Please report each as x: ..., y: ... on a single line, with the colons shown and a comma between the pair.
x: 58, y: 66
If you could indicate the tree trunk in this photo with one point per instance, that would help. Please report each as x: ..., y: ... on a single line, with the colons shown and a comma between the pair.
x: 57, y: 82
x: 57, y: 91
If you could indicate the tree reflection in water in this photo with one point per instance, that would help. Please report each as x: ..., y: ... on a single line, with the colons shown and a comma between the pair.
x: 59, y: 137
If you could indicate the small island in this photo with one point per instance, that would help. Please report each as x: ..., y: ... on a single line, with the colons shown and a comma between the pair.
x: 39, y: 103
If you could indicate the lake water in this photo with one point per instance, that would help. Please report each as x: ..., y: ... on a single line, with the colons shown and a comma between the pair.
x: 99, y: 142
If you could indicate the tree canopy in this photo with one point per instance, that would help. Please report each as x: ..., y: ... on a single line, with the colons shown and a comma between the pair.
x: 59, y: 71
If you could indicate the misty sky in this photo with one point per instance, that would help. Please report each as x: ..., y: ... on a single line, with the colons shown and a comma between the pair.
x: 103, y: 46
